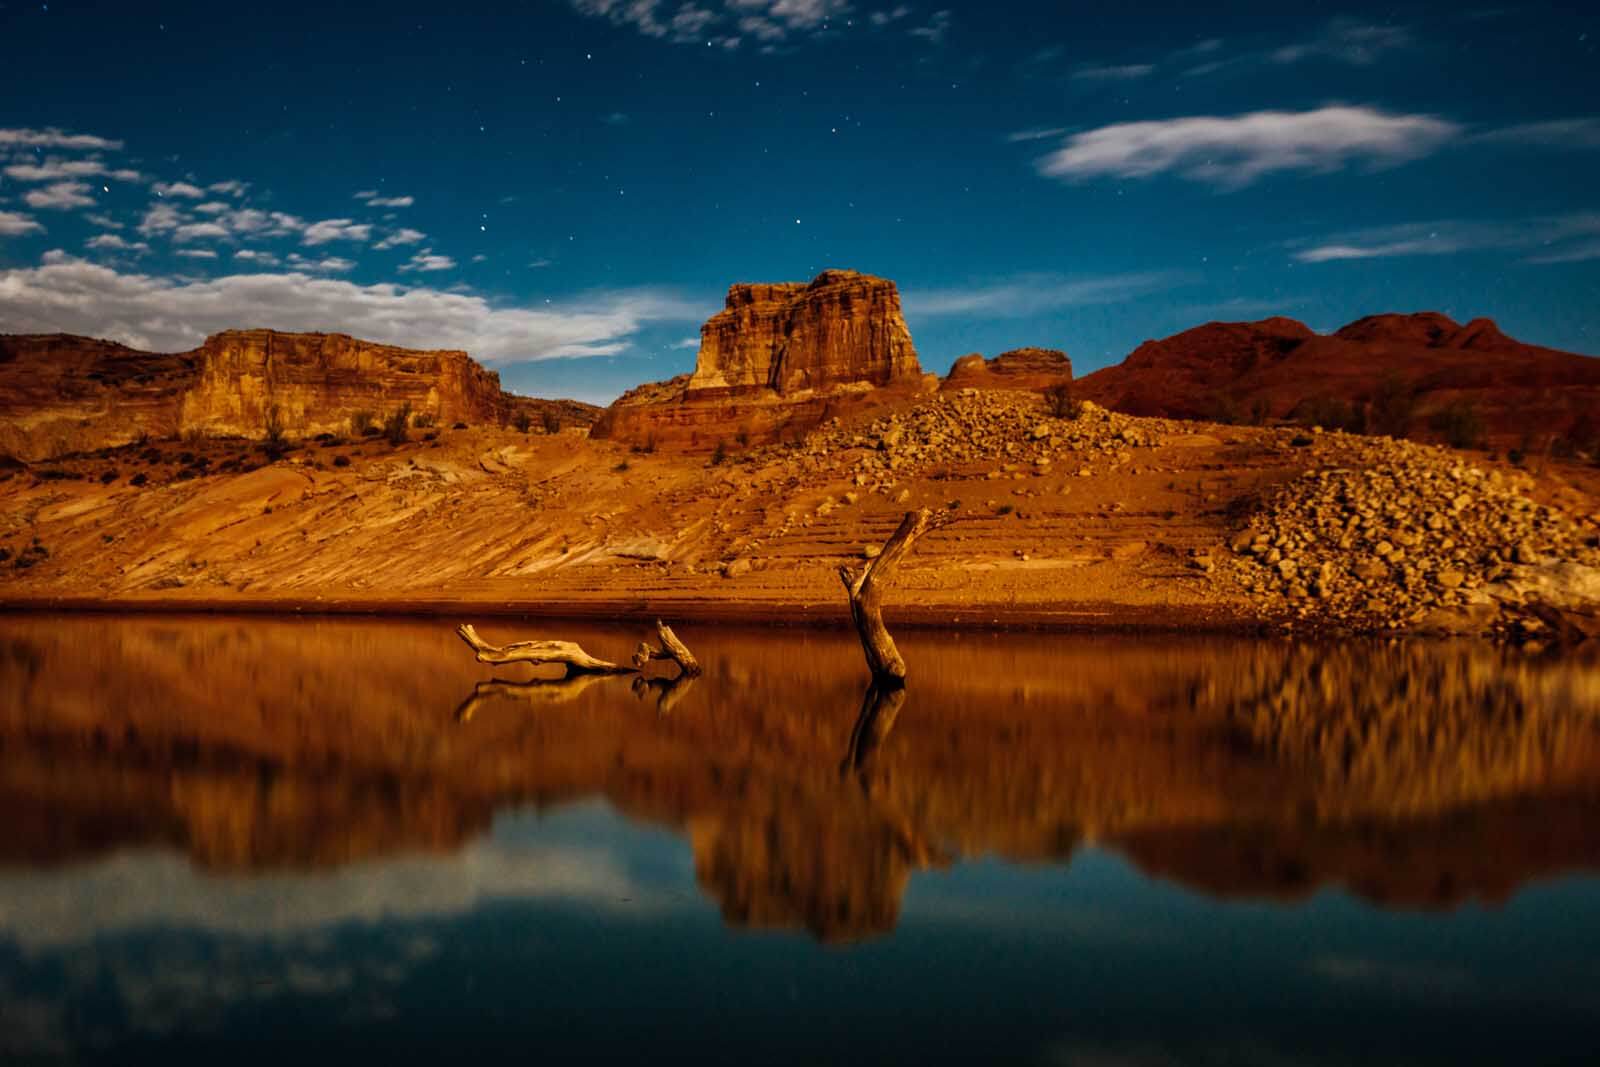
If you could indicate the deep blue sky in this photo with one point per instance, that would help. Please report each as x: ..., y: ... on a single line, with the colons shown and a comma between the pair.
x: 584, y: 178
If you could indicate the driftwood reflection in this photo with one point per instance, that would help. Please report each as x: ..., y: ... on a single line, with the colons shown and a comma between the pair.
x: 668, y: 691
x: 542, y: 692
x: 880, y: 707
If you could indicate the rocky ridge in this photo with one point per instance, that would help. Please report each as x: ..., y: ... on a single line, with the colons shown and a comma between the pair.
x: 1020, y: 368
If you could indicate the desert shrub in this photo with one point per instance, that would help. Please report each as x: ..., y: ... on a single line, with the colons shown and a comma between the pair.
x: 139, y: 479
x: 361, y: 424
x: 522, y: 421
x: 551, y: 420
x: 1061, y: 403
x: 621, y: 468
x: 743, y: 437
x: 1260, y: 411
x: 1004, y: 509
x: 56, y: 474
x: 720, y: 455
x: 1459, y: 424
x: 1300, y: 441
x: 431, y: 435
x: 394, y: 427
x: 1394, y: 405
x: 107, y: 477
x: 424, y: 420
x: 459, y: 426
x: 341, y: 461
x: 274, y: 443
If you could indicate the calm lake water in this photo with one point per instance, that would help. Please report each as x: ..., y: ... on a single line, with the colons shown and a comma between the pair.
x: 236, y: 840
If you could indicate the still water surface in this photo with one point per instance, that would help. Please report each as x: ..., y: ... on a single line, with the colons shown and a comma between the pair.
x: 237, y: 840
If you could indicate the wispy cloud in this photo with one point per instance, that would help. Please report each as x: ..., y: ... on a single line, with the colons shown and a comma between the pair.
x: 1126, y: 72
x: 56, y: 169
x: 1037, y: 294
x: 320, y: 233
x: 15, y: 224
x: 187, y: 190
x: 114, y: 243
x: 427, y: 261
x: 66, y: 293
x: 1346, y: 40
x: 1234, y: 151
x: 1043, y: 134
x: 51, y: 137
x: 230, y: 187
x: 60, y: 196
x: 372, y: 199
x: 723, y: 23
x: 197, y: 253
x: 402, y: 236
x: 1578, y: 133
x: 1540, y: 239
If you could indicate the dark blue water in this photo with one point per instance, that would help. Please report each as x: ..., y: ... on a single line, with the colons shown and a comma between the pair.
x: 1056, y: 851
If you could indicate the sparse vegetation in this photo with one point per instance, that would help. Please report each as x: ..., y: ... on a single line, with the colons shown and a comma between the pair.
x: 361, y: 424
x: 275, y: 443
x: 621, y: 468
x: 551, y: 420
x: 1061, y: 403
x: 720, y: 455
x: 522, y: 421
x: 1394, y: 405
x: 1459, y: 424
x: 394, y: 427
x: 424, y: 420
x: 1331, y: 413
x: 139, y: 479
x: 341, y: 461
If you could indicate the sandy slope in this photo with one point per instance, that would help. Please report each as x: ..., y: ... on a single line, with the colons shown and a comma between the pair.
x: 1094, y: 523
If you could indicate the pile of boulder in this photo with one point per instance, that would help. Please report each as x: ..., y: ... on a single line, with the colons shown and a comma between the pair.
x: 1399, y: 534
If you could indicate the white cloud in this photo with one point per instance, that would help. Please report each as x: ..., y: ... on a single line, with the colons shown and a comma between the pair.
x: 55, y: 138
x: 687, y: 342
x: 160, y: 218
x: 392, y: 201
x: 1043, y: 134
x: 231, y: 187
x: 194, y: 231
x: 1541, y: 239
x: 325, y: 265
x: 1232, y: 152
x: 105, y: 222
x: 15, y: 224
x: 213, y: 207
x: 183, y: 189
x: 427, y: 260
x: 197, y: 253
x: 256, y: 256
x: 65, y: 293
x: 60, y: 196
x: 55, y: 169
x: 936, y: 29
x: 1036, y: 294
x: 320, y: 233
x: 402, y: 236
x: 115, y: 243
x: 1128, y: 72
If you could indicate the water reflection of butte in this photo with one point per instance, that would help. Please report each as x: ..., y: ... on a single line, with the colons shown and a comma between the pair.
x: 1414, y: 775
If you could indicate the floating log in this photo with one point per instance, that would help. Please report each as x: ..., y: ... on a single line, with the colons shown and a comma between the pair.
x: 883, y: 658
x: 670, y: 648
x: 566, y: 653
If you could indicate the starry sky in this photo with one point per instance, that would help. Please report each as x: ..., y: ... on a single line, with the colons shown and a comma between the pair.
x: 568, y: 189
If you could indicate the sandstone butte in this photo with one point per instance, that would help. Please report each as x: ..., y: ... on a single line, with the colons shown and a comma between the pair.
x: 62, y: 394
x: 774, y: 363
x: 1020, y: 368
x: 1279, y: 368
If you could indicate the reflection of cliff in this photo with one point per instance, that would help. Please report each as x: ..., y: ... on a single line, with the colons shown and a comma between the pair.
x: 1419, y: 775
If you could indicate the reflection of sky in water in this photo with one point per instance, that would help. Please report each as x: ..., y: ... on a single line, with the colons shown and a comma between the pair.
x: 579, y: 932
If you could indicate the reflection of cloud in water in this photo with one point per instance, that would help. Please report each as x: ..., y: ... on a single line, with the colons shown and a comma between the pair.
x: 133, y: 891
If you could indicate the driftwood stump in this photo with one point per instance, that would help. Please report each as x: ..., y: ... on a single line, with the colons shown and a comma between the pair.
x: 671, y: 648
x: 883, y: 658
x: 566, y: 653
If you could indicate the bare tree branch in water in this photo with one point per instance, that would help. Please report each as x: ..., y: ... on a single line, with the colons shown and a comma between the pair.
x: 671, y: 648
x: 883, y: 658
x: 567, y: 653
x: 880, y: 706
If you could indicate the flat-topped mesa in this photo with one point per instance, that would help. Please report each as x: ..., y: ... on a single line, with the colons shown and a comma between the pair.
x: 313, y: 383
x: 775, y: 360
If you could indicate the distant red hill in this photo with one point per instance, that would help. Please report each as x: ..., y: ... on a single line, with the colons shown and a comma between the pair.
x: 1415, y: 369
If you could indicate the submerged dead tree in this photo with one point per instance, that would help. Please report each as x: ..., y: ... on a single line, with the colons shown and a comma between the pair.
x: 883, y: 658
x: 671, y: 648
x: 566, y: 653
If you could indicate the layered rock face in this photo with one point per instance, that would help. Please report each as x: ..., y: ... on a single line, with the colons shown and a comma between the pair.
x: 1279, y: 368
x: 1020, y: 368
x: 776, y: 359
x: 62, y: 394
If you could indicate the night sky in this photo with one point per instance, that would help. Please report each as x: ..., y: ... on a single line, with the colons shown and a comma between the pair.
x: 567, y: 191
